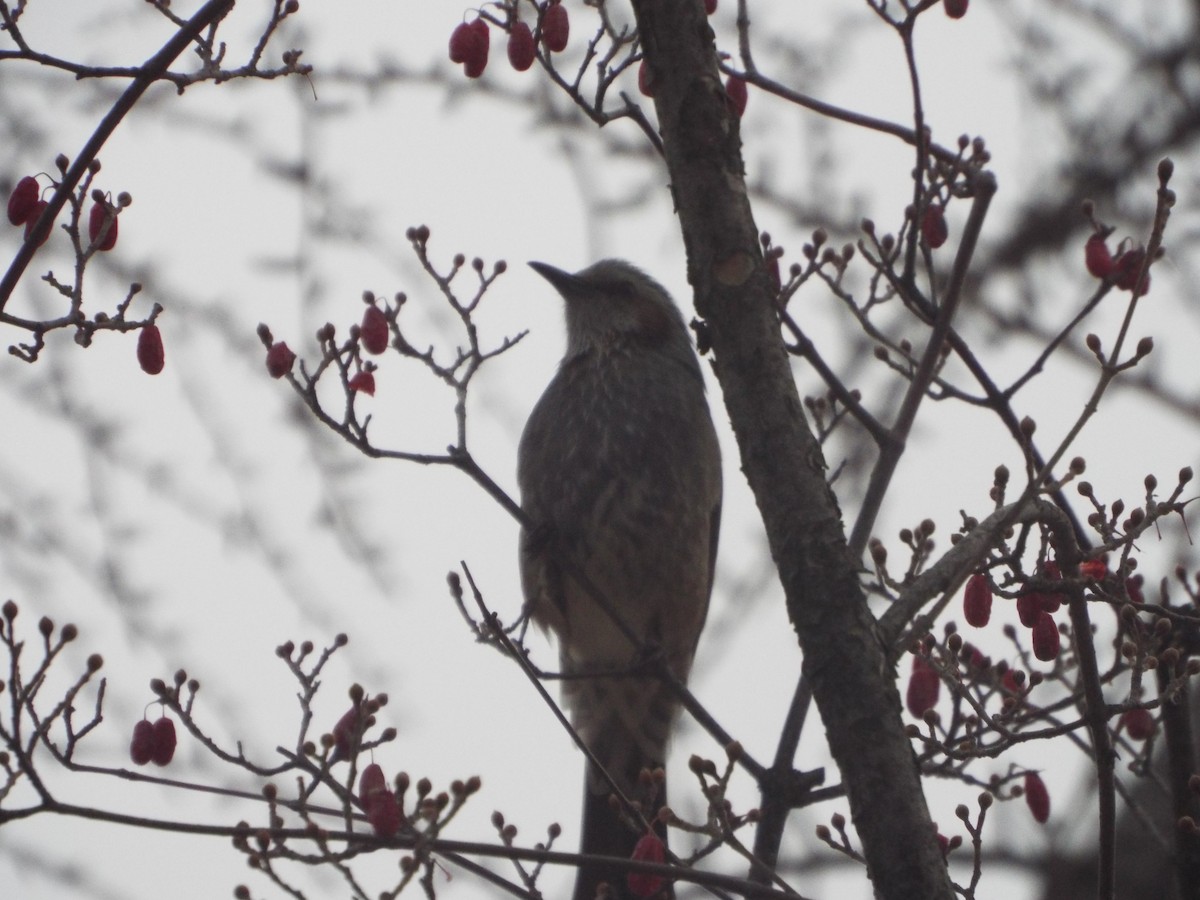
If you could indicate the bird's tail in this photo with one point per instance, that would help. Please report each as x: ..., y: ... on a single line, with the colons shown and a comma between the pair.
x: 626, y: 723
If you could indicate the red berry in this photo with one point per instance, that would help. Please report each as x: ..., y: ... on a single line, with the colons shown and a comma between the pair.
x: 371, y: 783
x: 1029, y: 606
x: 773, y: 271
x: 23, y: 200
x: 384, y: 813
x: 933, y: 226
x: 141, y: 747
x: 460, y: 43
x: 345, y: 735
x: 1096, y: 256
x: 1126, y: 268
x: 365, y: 382
x: 374, y: 330
x: 164, y: 741
x: 1037, y: 797
x: 555, y: 27
x: 1051, y: 602
x: 96, y: 221
x: 645, y: 79
x: 1045, y: 638
x: 280, y: 359
x: 923, y: 688
x: 477, y: 49
x: 955, y: 9
x: 977, y: 600
x: 1139, y: 723
x: 975, y: 658
x: 1009, y: 680
x: 1133, y: 587
x: 1094, y: 569
x: 150, y: 350
x: 710, y: 6
x: 735, y: 89
x: 36, y: 213
x: 649, y: 848
x: 520, y: 47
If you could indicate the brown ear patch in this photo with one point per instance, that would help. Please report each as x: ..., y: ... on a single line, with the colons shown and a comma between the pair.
x: 653, y: 322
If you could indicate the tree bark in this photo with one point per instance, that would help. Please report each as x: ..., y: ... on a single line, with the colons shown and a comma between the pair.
x: 852, y: 683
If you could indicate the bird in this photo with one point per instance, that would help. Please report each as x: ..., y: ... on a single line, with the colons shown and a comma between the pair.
x: 619, y: 470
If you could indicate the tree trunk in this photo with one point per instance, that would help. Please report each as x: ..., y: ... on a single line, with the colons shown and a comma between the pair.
x: 852, y: 683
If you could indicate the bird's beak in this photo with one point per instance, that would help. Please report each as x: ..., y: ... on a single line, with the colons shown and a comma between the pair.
x: 564, y: 282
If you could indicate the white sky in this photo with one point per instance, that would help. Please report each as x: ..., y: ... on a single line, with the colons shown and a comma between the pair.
x: 210, y: 499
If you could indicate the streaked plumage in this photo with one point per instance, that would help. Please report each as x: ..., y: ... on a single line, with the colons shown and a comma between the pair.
x: 620, y: 473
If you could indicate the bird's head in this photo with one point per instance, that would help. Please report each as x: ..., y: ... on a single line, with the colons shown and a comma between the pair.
x: 613, y: 303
